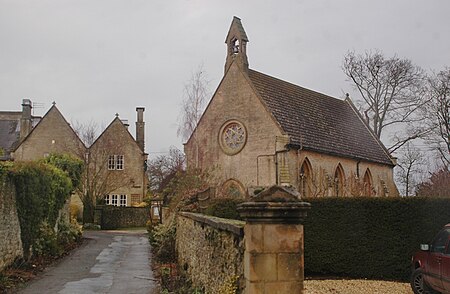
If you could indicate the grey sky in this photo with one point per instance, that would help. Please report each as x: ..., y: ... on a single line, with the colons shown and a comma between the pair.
x: 96, y: 58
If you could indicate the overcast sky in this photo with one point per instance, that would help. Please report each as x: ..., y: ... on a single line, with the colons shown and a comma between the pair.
x: 96, y: 58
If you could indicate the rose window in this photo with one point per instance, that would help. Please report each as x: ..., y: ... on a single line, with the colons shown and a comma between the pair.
x: 233, y: 137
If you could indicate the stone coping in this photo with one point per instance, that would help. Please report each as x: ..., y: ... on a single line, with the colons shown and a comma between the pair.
x: 234, y: 226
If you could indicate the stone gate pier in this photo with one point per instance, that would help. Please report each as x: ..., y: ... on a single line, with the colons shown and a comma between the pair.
x: 273, y: 257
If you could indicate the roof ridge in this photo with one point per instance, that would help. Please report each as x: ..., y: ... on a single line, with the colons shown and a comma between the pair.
x: 317, y: 121
x: 295, y: 85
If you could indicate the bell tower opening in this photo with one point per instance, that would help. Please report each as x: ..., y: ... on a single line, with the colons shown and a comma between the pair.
x: 236, y: 45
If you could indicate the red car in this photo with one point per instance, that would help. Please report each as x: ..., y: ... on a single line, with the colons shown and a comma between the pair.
x: 431, y: 265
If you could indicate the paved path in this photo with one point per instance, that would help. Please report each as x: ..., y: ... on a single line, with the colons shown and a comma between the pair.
x: 107, y: 262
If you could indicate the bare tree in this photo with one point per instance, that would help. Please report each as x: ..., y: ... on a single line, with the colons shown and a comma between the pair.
x: 87, y: 132
x: 98, y: 180
x: 392, y: 90
x: 195, y: 97
x: 163, y: 168
x: 409, y: 167
x: 437, y: 185
x: 438, y: 114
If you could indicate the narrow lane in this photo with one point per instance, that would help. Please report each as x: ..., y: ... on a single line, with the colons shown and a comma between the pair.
x: 108, y: 262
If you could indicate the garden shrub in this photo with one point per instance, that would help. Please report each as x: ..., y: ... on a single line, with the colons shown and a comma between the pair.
x: 46, y: 243
x: 369, y: 237
x: 42, y: 189
x: 162, y: 239
x: 224, y: 208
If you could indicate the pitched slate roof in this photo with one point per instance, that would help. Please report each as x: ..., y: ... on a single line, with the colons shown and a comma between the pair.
x: 318, y: 122
x: 9, y: 135
x: 10, y: 132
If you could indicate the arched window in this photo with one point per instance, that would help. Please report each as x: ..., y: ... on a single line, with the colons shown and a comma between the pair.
x: 339, y: 178
x: 305, y: 179
x: 234, y: 46
x: 367, y: 180
x: 233, y: 189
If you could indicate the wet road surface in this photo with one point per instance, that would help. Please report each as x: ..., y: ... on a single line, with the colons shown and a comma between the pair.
x: 107, y: 262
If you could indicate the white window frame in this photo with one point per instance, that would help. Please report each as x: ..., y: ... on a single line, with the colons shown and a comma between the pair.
x: 116, y: 199
x: 120, y: 162
x: 116, y: 162
x: 111, y: 162
x: 123, y: 200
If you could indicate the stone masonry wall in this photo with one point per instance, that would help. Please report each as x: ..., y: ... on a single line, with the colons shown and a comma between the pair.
x: 211, y: 251
x: 10, y: 241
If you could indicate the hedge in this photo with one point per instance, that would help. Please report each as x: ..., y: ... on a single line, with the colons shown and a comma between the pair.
x: 42, y: 188
x: 369, y: 237
x: 114, y: 217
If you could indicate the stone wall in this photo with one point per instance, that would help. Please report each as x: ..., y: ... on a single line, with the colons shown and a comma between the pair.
x: 10, y: 241
x: 211, y: 251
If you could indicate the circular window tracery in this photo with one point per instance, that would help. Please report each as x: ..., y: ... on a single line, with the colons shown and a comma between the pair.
x: 232, y: 137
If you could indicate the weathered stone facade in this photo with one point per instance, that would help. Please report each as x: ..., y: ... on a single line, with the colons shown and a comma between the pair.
x: 53, y: 134
x: 130, y: 178
x: 10, y: 241
x: 254, y: 165
x: 211, y: 251
x: 259, y: 131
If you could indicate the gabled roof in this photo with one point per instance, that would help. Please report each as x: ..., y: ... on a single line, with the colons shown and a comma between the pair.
x: 318, y: 122
x: 119, y: 121
x: 237, y: 28
x: 51, y: 110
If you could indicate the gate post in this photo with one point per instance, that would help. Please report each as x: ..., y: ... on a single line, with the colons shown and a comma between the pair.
x: 273, y: 257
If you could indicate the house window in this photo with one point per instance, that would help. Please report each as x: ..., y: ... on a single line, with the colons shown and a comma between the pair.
x: 116, y: 200
x: 116, y: 162
x: 123, y: 200
x: 111, y: 162
x: 119, y: 162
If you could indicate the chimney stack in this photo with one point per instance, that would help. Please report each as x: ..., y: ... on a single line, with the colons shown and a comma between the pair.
x: 140, y: 127
x: 25, y: 121
x: 125, y: 123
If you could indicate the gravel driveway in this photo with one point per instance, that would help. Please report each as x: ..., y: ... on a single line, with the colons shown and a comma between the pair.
x: 355, y: 287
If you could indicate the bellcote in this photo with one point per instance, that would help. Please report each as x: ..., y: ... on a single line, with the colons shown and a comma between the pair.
x: 236, y: 45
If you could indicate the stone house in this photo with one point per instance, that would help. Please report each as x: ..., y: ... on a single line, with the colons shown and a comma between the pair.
x: 120, y: 160
x: 258, y: 131
x: 14, y: 127
x: 53, y: 134
x: 116, y: 158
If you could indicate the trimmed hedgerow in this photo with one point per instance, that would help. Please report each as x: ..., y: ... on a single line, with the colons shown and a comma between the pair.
x: 42, y: 189
x: 115, y: 217
x: 370, y: 237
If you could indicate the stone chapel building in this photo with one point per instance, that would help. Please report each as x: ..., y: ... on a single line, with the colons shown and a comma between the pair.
x: 258, y: 131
